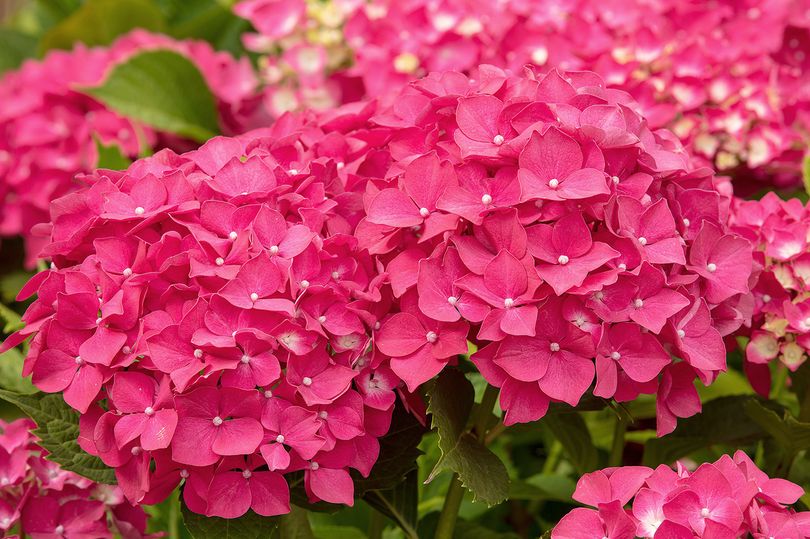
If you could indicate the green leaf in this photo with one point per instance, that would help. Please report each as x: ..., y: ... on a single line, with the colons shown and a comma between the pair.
x: 210, y: 20
x: 14, y: 48
x: 470, y: 530
x: 337, y: 532
x: 58, y: 430
x: 11, y: 363
x: 11, y: 283
x: 11, y: 320
x: 400, y: 503
x: 248, y: 526
x: 720, y: 422
x: 806, y: 173
x: 111, y: 157
x: 789, y: 433
x: 162, y: 89
x: 295, y: 525
x: 479, y: 469
x: 100, y: 22
x: 543, y: 487
x: 573, y: 434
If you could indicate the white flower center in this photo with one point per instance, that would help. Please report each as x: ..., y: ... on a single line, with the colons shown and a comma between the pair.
x: 766, y: 298
x: 304, y: 284
x: 79, y: 361
x: 711, y: 267
x: 623, y: 266
x: 246, y: 474
x: 307, y: 381
x: 127, y: 272
x: 554, y: 183
x: 486, y: 200
x: 198, y: 353
x: 59, y: 530
x: 554, y: 347
x: 681, y: 333
x: 431, y: 337
x: 149, y: 410
x: 136, y: 450
x: 232, y: 235
x: 245, y: 359
x: 184, y: 473
x: 686, y: 222
x: 497, y: 140
x: 274, y: 250
x: 563, y: 260
x: 139, y: 210
x: 638, y: 303
x: 322, y: 319
x: 642, y: 240
x: 508, y: 303
x: 335, y: 275
x: 615, y: 179
x: 292, y: 171
x: 217, y: 421
x: 452, y: 300
x: 424, y: 212
x: 323, y: 414
x: 254, y: 296
x: 280, y: 438
x: 219, y: 261
x: 705, y: 512
x: 616, y: 356
x: 313, y: 466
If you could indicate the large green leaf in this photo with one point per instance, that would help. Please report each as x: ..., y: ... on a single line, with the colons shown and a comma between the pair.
x: 58, y: 430
x: 573, y: 434
x: 722, y: 421
x: 10, y: 320
x: 478, y: 468
x: 162, y: 89
x: 14, y: 48
x: 541, y: 487
x: 248, y: 526
x: 11, y: 363
x: 99, y: 22
x: 295, y: 525
x: 791, y: 435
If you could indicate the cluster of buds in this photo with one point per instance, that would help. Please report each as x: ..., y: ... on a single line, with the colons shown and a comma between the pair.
x: 730, y: 498
x: 39, y: 499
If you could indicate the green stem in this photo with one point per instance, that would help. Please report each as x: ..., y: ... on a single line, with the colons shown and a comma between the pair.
x: 376, y: 525
x: 617, y: 449
x: 484, y: 411
x: 174, y: 515
x: 452, y: 503
x: 553, y: 458
x: 455, y: 495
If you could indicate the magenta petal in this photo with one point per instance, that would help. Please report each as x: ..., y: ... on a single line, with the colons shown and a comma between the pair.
x: 228, y: 495
x: 84, y: 388
x: 333, y: 486
x: 400, y: 335
x: 192, y: 442
x: 276, y: 457
x: 240, y: 436
x: 128, y: 428
x: 159, y: 430
x: 270, y: 494
x: 392, y: 207
x: 54, y: 370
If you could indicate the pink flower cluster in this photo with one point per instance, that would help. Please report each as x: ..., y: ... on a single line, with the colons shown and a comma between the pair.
x: 540, y: 218
x: 729, y: 77
x: 780, y: 326
x: 727, y: 499
x: 48, y: 129
x: 39, y: 499
x: 210, y: 315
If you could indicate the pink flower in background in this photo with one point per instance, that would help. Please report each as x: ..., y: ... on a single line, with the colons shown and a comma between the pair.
x: 720, y: 499
x: 779, y: 328
x: 42, y: 500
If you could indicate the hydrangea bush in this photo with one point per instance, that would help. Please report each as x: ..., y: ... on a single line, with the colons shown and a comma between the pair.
x: 447, y: 259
